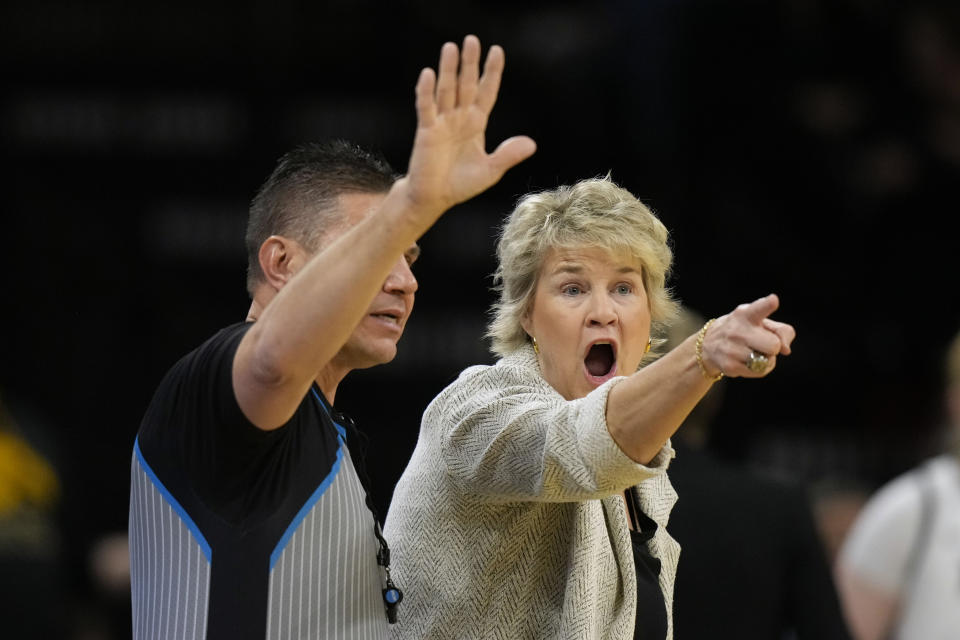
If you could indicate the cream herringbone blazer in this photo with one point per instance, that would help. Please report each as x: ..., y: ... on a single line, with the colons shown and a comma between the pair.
x: 508, y: 521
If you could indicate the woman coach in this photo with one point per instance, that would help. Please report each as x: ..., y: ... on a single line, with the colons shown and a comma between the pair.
x: 536, y: 500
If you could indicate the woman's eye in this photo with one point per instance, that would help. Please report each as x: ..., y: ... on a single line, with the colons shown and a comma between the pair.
x: 624, y: 289
x: 572, y: 290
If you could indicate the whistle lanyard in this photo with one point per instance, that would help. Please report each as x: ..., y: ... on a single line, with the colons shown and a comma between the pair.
x: 392, y: 595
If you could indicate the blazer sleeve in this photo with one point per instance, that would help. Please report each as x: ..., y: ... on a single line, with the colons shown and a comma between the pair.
x: 508, y: 436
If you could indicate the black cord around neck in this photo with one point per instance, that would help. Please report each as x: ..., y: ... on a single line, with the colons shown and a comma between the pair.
x: 358, y: 443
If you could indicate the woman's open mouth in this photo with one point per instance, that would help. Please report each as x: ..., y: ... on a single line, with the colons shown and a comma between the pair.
x: 600, y: 364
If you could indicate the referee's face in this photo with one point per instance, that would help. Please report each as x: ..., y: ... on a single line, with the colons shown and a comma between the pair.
x: 374, y: 340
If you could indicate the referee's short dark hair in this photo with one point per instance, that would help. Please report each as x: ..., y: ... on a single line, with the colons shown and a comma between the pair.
x: 297, y: 199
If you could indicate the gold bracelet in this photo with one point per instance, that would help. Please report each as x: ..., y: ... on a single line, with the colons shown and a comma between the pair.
x: 700, y: 336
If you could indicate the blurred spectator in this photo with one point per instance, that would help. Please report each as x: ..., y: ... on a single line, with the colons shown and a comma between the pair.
x: 752, y: 564
x: 31, y: 604
x: 836, y: 504
x: 898, y: 570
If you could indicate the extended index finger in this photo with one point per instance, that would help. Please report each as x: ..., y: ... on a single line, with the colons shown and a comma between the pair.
x: 759, y: 309
x: 490, y: 80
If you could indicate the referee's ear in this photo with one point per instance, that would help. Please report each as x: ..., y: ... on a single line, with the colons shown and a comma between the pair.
x: 280, y: 259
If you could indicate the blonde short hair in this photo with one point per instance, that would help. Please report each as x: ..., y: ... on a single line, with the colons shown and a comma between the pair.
x: 590, y: 213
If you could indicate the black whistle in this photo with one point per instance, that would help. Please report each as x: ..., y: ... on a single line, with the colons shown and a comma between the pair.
x: 392, y: 597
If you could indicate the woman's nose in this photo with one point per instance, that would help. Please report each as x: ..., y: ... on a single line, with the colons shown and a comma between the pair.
x: 601, y: 311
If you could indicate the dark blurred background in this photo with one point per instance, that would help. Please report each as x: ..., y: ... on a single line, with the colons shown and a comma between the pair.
x: 805, y: 147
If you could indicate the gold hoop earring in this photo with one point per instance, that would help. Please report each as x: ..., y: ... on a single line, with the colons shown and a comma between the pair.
x: 536, y: 347
x: 649, y: 345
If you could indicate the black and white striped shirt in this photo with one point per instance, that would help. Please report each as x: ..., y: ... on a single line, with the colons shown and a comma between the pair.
x: 237, y: 532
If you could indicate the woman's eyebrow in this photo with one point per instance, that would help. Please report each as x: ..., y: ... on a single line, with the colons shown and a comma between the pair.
x: 568, y: 267
x: 573, y: 267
